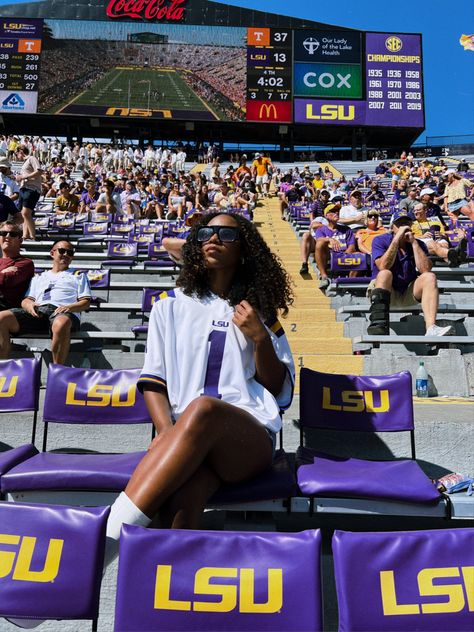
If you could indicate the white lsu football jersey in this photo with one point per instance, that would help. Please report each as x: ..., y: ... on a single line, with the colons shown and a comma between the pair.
x: 194, y: 349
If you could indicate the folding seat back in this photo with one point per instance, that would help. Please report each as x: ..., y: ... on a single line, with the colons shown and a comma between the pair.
x: 98, y: 280
x: 342, y: 262
x: 51, y: 561
x: 101, y: 217
x: 204, y: 580
x: 149, y: 296
x: 408, y: 580
x: 121, y: 253
x: 121, y: 231
x: 157, y: 257
x: 359, y: 403
x: 92, y: 396
x: 470, y: 243
x: 94, y: 230
x: 19, y: 387
x: 142, y: 240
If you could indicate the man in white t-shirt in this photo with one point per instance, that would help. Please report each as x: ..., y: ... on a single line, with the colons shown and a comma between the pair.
x: 354, y: 214
x: 52, y: 305
x: 8, y: 186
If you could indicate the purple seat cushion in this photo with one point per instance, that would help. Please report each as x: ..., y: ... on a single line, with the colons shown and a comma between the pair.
x: 326, y: 475
x: 140, y: 329
x: 364, y: 279
x: 59, y: 471
x: 276, y: 482
x: 13, y: 457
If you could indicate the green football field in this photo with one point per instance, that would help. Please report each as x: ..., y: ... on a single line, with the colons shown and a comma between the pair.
x: 160, y: 90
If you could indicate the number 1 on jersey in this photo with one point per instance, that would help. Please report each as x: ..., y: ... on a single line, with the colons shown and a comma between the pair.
x: 214, y: 363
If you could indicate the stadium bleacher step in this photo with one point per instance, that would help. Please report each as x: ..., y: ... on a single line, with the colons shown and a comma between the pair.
x: 316, y: 339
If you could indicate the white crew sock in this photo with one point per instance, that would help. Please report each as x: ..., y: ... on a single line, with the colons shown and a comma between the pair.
x: 123, y: 511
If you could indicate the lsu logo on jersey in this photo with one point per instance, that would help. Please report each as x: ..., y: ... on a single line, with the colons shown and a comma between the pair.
x: 8, y: 387
x: 238, y: 595
x: 17, y: 564
x: 356, y: 401
x: 220, y: 323
x: 451, y: 594
x: 101, y: 395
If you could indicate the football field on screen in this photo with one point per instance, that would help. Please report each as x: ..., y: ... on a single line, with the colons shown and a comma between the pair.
x: 152, y: 92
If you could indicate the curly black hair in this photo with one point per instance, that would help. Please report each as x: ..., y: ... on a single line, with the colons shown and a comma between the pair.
x: 260, y: 279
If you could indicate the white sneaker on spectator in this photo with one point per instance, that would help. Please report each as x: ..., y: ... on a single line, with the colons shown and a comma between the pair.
x: 435, y: 330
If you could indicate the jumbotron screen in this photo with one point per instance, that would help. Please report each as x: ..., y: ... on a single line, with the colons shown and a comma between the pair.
x: 203, y: 73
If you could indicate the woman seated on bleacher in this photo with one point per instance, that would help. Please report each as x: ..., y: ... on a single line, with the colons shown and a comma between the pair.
x: 217, y: 371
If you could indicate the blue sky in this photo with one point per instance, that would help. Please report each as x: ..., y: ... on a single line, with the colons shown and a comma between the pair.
x: 448, y: 68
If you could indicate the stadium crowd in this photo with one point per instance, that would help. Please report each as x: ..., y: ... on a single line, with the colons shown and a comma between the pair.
x: 152, y: 183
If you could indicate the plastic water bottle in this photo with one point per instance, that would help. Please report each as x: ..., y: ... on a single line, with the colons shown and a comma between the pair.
x: 422, y: 381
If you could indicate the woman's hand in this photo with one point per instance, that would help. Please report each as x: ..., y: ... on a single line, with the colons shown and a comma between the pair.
x: 249, y: 323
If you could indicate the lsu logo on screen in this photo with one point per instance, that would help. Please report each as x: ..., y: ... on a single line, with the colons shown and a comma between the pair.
x: 238, y: 596
x: 331, y: 112
x: 137, y: 112
x: 356, y: 401
x: 17, y: 564
x: 451, y: 595
x: 101, y: 395
x: 8, y: 389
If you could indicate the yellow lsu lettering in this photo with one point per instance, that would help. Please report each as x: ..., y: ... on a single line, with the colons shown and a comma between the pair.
x: 331, y: 112
x: 20, y: 562
x: 136, y: 112
x: 10, y: 390
x: 357, y: 401
x: 349, y: 261
x: 101, y: 395
x: 426, y: 588
x: 241, y: 594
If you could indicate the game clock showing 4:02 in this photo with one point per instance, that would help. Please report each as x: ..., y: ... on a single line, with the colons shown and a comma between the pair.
x: 269, y: 75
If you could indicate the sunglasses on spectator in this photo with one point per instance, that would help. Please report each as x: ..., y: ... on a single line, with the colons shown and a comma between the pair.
x: 66, y: 251
x: 9, y: 233
x: 226, y: 234
x: 372, y: 216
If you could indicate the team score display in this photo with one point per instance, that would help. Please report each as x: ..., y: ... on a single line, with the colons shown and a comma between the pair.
x: 414, y: 96
x: 279, y: 57
x: 413, y: 106
x: 280, y: 36
x: 376, y: 105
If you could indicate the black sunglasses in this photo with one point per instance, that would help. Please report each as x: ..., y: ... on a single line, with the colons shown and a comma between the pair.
x: 9, y: 233
x: 225, y: 234
x: 66, y: 251
x: 372, y: 216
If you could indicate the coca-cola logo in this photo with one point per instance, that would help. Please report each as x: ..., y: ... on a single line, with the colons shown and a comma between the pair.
x: 169, y: 10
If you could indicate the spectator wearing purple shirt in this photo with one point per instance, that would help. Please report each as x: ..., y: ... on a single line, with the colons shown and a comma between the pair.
x: 401, y: 277
x: 335, y: 237
x: 89, y: 197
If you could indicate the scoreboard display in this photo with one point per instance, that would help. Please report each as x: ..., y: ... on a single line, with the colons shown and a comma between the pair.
x: 335, y: 78
x: 20, y: 51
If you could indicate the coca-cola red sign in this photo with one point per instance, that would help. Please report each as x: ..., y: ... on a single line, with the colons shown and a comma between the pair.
x: 160, y: 10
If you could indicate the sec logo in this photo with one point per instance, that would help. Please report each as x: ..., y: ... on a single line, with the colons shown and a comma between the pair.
x: 393, y: 44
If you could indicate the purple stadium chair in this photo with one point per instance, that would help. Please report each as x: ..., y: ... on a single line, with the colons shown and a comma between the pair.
x: 344, y: 263
x: 149, y: 297
x: 209, y: 581
x: 157, y: 257
x: 94, y: 231
x: 121, y: 253
x: 122, y: 231
x: 98, y: 280
x: 83, y: 396
x: 52, y: 567
x: 359, y: 403
x: 409, y: 580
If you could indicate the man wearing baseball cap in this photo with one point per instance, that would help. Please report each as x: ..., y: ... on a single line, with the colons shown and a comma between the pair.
x: 335, y: 237
x: 402, y: 277
x: 8, y: 186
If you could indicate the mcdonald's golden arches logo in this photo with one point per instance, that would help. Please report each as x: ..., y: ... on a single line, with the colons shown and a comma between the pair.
x: 268, y: 108
x: 393, y: 44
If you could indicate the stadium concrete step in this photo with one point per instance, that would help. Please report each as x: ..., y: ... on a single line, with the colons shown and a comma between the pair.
x: 315, y: 338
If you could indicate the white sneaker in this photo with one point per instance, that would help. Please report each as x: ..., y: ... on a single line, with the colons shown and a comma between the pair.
x: 435, y: 330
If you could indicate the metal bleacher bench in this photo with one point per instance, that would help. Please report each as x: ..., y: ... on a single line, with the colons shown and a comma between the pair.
x: 346, y: 310
x: 437, y: 341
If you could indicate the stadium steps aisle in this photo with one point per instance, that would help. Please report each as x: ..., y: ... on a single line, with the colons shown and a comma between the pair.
x: 316, y: 338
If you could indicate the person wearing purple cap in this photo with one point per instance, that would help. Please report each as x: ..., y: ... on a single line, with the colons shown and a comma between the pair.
x: 402, y: 277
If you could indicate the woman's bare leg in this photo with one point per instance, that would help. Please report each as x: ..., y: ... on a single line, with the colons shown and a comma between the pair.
x: 233, y: 444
